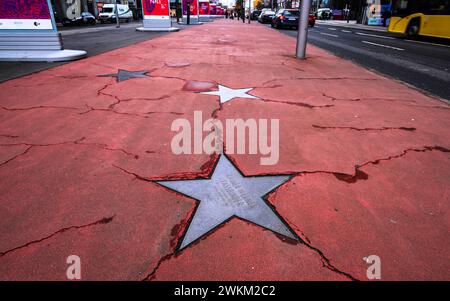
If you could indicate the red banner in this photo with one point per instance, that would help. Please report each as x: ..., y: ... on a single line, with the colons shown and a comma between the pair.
x: 204, y: 8
x: 156, y: 7
x: 213, y: 9
x: 194, y: 8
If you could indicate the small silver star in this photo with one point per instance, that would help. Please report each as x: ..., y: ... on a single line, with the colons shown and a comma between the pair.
x: 227, y: 94
x: 122, y: 75
x: 229, y: 194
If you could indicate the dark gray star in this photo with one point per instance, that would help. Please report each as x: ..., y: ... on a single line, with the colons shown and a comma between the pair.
x: 229, y: 194
x: 122, y: 75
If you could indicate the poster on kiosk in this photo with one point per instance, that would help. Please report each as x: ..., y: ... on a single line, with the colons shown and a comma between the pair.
x: 156, y: 16
x: 30, y: 15
x: 28, y: 33
x: 204, y: 10
x: 213, y: 9
x: 193, y: 18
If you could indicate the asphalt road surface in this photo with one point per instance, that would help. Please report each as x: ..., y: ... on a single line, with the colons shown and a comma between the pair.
x: 94, y: 39
x: 422, y: 64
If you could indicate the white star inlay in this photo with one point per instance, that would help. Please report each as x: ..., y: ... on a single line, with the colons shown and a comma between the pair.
x: 227, y: 94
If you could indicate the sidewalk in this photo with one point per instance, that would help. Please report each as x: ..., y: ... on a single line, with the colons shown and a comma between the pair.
x: 369, y: 158
x: 351, y: 24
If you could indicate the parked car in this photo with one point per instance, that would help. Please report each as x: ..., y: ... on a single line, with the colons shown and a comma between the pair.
x: 288, y: 18
x: 83, y: 19
x: 255, y: 14
x: 108, y: 13
x: 266, y: 16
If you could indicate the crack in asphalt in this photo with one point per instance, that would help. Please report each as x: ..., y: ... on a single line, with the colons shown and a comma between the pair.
x: 177, y: 232
x: 298, y: 104
x: 205, y: 171
x: 326, y: 263
x: 16, y: 156
x: 317, y: 78
x: 385, y: 128
x: 141, y: 115
x: 76, y: 142
x: 100, y: 92
x: 9, y: 136
x: 359, y: 174
x: 118, y: 100
x: 104, y: 220
x: 38, y: 107
x: 332, y: 98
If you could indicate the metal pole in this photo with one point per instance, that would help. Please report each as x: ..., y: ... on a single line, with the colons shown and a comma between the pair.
x: 117, y: 14
x: 302, y: 34
x: 188, y: 11
x: 249, y: 8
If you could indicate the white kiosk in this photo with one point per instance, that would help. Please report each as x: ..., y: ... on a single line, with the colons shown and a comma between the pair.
x: 28, y: 33
x: 156, y: 16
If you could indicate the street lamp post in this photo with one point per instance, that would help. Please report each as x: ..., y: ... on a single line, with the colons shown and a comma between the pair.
x: 188, y: 12
x: 302, y: 34
x: 117, y: 14
x: 249, y: 8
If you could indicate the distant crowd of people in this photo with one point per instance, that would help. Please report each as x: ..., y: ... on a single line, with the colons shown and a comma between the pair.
x: 235, y: 13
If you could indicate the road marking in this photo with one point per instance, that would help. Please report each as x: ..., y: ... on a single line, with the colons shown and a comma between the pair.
x: 331, y: 28
x: 428, y: 43
x: 329, y: 34
x: 346, y: 31
x: 381, y: 45
x: 374, y: 35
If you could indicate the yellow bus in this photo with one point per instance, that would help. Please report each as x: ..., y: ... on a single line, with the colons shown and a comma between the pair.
x: 421, y: 18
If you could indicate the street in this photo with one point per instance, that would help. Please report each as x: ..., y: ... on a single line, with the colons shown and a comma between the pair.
x: 93, y: 39
x: 422, y: 64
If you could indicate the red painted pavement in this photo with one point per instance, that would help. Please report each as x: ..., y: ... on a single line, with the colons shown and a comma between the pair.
x: 371, y: 158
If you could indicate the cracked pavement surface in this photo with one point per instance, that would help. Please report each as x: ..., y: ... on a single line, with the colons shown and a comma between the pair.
x: 78, y: 154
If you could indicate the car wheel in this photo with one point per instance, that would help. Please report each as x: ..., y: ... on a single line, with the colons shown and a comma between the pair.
x: 412, y: 31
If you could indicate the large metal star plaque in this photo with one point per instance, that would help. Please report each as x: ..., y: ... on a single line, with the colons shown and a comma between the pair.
x: 226, y: 194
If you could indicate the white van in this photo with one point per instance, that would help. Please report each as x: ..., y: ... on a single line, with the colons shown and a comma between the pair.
x: 324, y: 13
x: 108, y: 13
